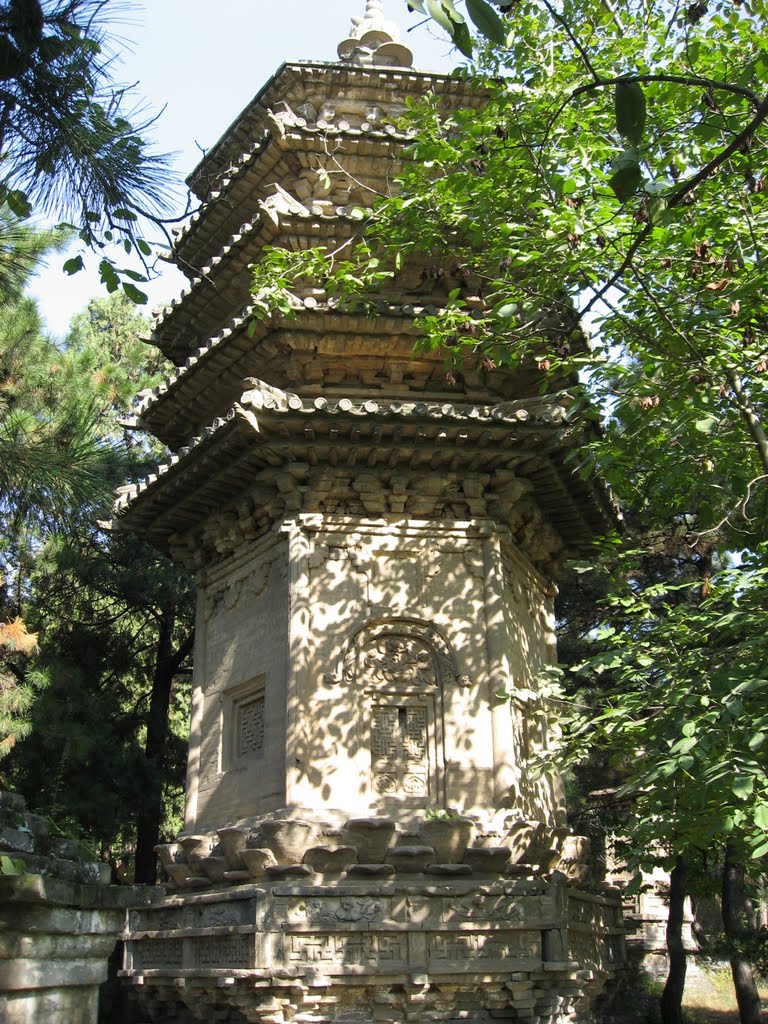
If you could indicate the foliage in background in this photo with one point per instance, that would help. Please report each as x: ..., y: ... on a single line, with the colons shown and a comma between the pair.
x: 71, y: 145
x: 603, y: 217
x: 97, y: 611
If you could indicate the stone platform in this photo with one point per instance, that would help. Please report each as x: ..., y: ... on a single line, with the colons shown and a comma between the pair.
x: 377, y: 948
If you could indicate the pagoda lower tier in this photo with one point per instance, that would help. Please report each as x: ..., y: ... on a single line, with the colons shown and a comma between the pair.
x: 275, y: 454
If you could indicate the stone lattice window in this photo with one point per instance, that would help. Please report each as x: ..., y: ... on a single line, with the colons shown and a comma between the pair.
x: 244, y: 733
x: 400, y: 749
x: 250, y: 726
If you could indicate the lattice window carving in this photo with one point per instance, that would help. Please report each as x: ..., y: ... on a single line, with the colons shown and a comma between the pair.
x: 400, y: 749
x: 250, y: 726
x: 244, y: 730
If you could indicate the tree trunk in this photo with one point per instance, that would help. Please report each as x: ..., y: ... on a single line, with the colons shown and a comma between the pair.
x: 734, y: 918
x: 150, y: 814
x: 672, y: 996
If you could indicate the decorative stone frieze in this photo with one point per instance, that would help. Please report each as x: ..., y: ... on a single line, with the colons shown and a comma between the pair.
x: 419, y: 950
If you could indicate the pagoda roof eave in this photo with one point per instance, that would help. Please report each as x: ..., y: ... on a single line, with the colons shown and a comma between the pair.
x: 248, y: 178
x: 203, y: 300
x: 270, y: 436
x: 245, y: 126
x: 221, y: 353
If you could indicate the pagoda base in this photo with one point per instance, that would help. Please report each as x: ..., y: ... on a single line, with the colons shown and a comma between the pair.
x: 377, y: 950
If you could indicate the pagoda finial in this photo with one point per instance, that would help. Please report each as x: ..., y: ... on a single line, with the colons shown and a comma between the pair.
x: 372, y: 20
x: 374, y: 41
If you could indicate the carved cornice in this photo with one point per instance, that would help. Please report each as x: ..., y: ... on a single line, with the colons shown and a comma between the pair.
x: 322, y: 348
x: 275, y: 454
x: 383, y: 89
x: 292, y: 151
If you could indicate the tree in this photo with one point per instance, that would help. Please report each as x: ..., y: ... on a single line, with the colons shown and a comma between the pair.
x: 614, y: 183
x: 100, y: 743
x: 72, y: 148
x: 48, y: 458
x: 625, y: 169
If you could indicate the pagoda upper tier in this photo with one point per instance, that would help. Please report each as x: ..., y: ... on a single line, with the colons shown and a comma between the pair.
x: 317, y: 142
x: 325, y: 408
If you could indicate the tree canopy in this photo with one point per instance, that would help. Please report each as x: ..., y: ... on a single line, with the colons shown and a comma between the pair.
x: 73, y: 141
x: 602, y: 218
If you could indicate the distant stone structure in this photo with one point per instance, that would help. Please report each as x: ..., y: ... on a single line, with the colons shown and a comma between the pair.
x: 375, y: 545
x: 59, y: 922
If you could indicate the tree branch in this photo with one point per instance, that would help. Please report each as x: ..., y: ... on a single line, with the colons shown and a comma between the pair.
x: 692, y: 80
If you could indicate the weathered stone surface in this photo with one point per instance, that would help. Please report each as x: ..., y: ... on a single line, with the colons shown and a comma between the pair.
x: 449, y: 838
x: 375, y: 549
x: 411, y: 859
x: 288, y: 840
x: 330, y: 859
x: 55, y: 941
x: 232, y: 842
x: 371, y: 837
x: 487, y: 859
x: 371, y: 870
x: 471, y: 947
x: 16, y: 840
x: 257, y: 861
x: 214, y: 868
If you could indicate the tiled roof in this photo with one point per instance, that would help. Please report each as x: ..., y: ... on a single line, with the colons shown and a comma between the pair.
x: 375, y: 342
x: 256, y: 449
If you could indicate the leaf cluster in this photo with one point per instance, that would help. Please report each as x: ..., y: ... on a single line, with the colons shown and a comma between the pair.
x: 71, y: 144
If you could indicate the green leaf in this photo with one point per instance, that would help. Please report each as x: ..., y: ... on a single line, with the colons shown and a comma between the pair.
x: 417, y: 5
x: 18, y: 203
x: 487, y: 21
x: 74, y: 265
x: 507, y: 310
x: 462, y: 39
x: 756, y: 741
x: 627, y: 176
x: 761, y: 816
x: 134, y: 294
x: 439, y: 14
x: 12, y: 866
x: 707, y: 425
x: 684, y: 745
x: 629, y: 103
x: 742, y: 786
x: 453, y: 14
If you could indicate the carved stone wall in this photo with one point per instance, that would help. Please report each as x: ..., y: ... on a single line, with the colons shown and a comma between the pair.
x: 237, y: 739
x: 356, y: 666
x: 59, y: 922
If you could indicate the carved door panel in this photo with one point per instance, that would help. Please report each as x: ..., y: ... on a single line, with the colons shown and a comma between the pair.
x: 400, y: 748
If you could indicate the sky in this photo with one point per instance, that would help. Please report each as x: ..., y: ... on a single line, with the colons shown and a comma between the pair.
x: 198, y: 64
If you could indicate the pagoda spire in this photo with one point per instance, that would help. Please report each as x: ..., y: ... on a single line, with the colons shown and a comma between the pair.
x: 374, y: 41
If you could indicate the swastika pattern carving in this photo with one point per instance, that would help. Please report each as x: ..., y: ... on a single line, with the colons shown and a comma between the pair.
x: 400, y: 749
x: 224, y: 951
x: 157, y: 953
x: 461, y: 946
x: 361, y: 950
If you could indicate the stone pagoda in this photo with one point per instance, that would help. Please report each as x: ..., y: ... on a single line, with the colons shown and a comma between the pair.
x: 365, y: 838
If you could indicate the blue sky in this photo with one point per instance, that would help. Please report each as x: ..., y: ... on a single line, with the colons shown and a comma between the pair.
x: 200, y: 64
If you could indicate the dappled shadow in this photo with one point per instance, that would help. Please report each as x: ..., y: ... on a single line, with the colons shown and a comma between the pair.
x: 395, y: 662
